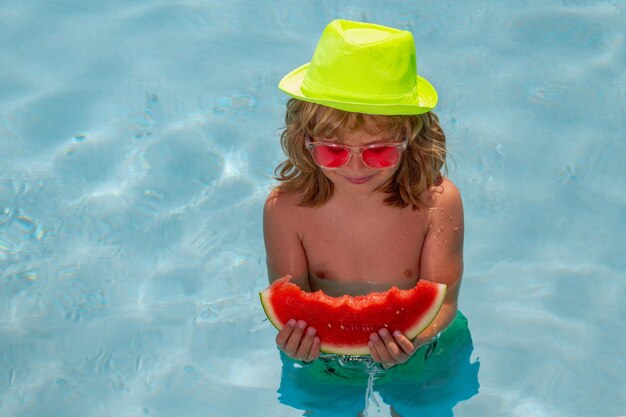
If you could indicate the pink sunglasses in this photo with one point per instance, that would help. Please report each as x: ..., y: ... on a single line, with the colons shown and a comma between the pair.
x: 376, y: 156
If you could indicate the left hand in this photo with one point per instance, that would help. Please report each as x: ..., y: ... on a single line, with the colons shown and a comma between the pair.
x: 390, y: 349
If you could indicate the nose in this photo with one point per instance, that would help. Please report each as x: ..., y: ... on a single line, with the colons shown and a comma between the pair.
x: 356, y: 162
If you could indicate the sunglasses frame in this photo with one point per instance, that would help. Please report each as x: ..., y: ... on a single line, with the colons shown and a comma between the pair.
x: 358, y: 150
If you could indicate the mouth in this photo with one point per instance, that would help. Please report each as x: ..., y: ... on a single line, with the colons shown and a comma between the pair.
x: 358, y: 180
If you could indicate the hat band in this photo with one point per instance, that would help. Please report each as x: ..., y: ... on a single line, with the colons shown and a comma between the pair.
x: 315, y: 90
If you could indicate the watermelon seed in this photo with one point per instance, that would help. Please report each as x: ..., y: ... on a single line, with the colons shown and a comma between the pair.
x: 329, y: 325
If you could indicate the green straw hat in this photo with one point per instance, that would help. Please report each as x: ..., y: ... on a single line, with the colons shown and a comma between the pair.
x: 363, y: 68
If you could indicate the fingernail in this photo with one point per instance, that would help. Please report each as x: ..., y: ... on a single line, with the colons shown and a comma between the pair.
x: 291, y: 323
x: 311, y: 331
x: 373, y: 337
x: 397, y: 333
x: 383, y: 332
x: 302, y: 324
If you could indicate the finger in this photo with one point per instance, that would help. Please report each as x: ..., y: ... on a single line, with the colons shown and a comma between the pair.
x: 314, y: 353
x: 374, y: 353
x: 284, y: 333
x: 305, y: 344
x: 404, y: 342
x: 394, y: 350
x: 294, y: 339
x: 381, y: 349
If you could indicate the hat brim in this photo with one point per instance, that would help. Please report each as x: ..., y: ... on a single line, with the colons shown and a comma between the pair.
x: 426, y: 99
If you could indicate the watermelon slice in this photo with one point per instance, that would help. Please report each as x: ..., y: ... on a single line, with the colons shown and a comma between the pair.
x: 344, y: 323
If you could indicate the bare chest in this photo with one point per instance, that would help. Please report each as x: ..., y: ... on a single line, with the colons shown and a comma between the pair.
x: 379, y: 246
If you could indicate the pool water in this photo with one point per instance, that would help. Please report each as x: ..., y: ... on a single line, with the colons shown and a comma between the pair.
x: 137, y: 143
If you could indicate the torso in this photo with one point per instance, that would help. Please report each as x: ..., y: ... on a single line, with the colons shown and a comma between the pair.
x: 336, y: 288
x: 369, y: 248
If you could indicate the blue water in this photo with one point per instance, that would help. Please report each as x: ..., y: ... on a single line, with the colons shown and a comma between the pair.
x: 137, y: 142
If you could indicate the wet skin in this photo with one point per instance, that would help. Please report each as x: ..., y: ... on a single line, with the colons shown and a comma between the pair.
x: 356, y: 240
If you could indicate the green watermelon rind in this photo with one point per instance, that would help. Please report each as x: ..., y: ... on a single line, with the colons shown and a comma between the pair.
x: 361, y: 350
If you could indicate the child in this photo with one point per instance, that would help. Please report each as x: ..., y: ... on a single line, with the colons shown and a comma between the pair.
x: 362, y: 205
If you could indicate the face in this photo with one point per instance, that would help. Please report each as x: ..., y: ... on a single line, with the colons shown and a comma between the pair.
x: 356, y: 176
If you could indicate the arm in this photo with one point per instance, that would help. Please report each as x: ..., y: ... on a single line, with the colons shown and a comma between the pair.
x: 286, y: 256
x: 283, y: 245
x: 442, y: 256
x: 441, y: 261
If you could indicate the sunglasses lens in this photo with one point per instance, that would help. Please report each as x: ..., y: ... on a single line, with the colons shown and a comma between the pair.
x: 381, y: 156
x: 330, y: 156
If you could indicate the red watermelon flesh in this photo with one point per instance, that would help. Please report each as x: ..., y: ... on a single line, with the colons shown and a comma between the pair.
x: 345, y: 323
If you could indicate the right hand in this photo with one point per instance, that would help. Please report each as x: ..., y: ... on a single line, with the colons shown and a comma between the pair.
x: 298, y: 341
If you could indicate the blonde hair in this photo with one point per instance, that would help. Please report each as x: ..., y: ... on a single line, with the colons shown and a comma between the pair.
x: 418, y: 170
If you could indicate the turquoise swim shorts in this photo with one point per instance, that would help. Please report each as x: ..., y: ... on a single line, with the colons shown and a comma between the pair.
x: 438, y: 375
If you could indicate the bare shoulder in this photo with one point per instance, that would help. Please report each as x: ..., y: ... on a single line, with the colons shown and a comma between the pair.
x: 281, y: 204
x: 443, y: 196
x: 282, y: 212
x: 448, y: 196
